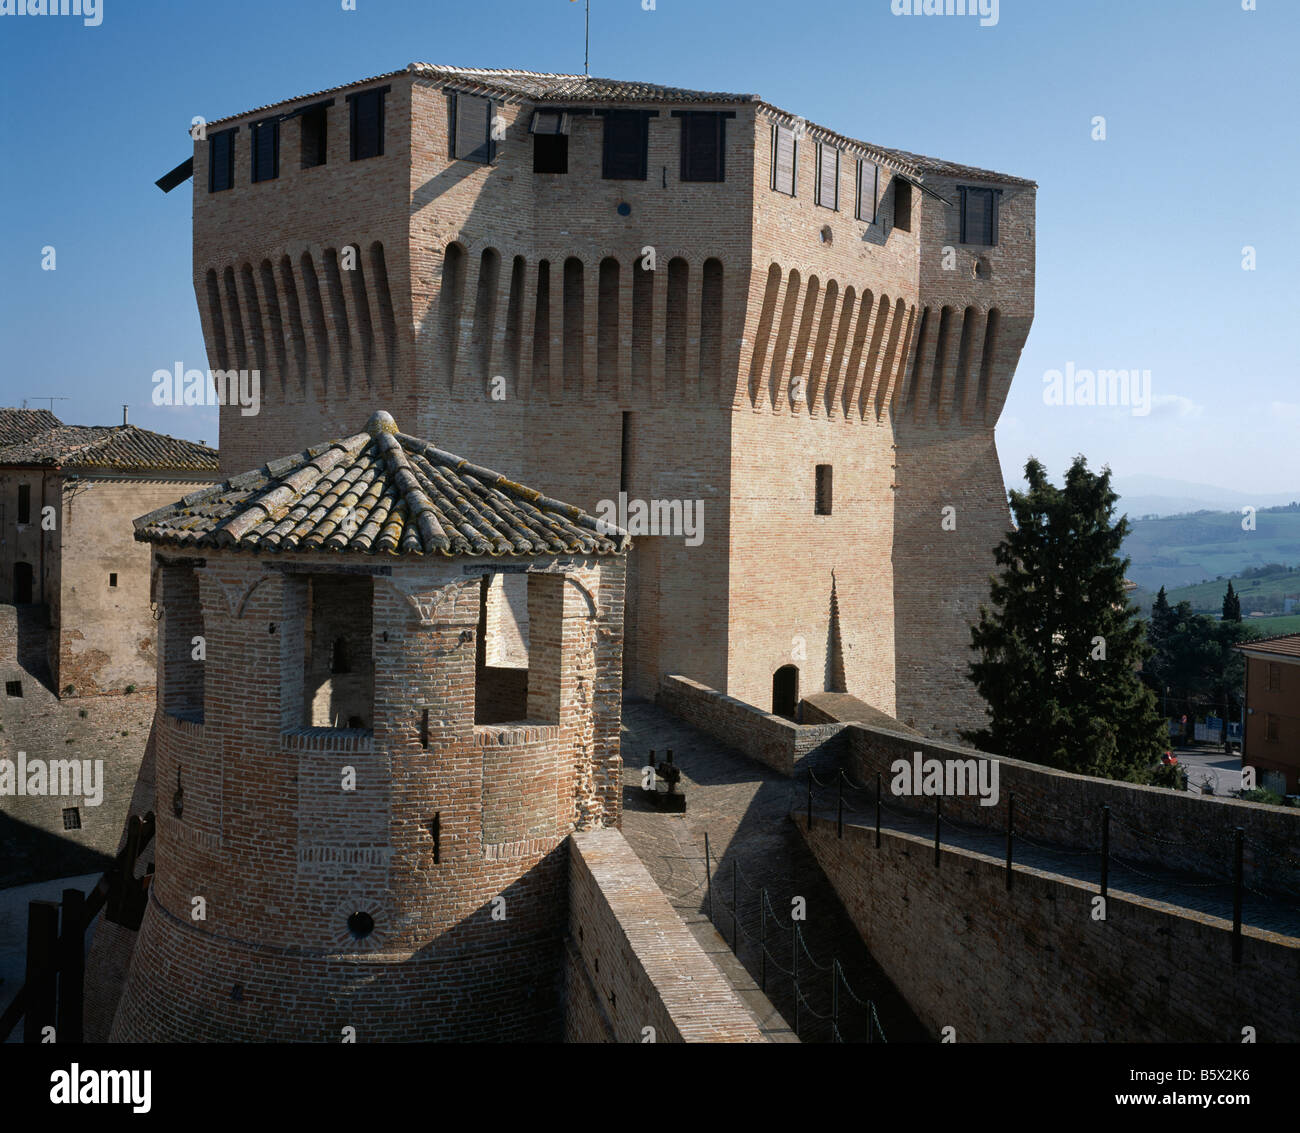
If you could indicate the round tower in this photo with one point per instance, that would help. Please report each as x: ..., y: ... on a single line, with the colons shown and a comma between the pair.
x: 389, y: 688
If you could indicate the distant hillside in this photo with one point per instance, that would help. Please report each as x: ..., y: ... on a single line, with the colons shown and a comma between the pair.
x: 1162, y: 495
x: 1266, y: 592
x: 1183, y: 550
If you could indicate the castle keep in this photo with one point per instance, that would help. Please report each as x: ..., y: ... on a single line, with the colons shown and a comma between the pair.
x: 682, y: 295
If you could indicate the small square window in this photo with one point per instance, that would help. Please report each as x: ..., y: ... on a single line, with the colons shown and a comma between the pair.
x: 823, y: 494
x: 71, y: 818
x: 112, y: 580
x: 13, y: 688
x: 550, y: 153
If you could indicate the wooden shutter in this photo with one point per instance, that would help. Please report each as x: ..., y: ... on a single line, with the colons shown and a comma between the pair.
x: 266, y: 150
x: 979, y: 216
x: 703, y: 145
x: 549, y: 122
x: 626, y: 140
x: 473, y: 140
x: 367, y: 124
x: 221, y: 161
x: 828, y: 176
x: 868, y: 190
x: 784, y: 153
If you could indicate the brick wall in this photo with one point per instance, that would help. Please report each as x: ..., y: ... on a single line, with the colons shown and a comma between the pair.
x: 1031, y: 965
x: 1152, y: 824
x: 632, y: 963
x: 771, y: 740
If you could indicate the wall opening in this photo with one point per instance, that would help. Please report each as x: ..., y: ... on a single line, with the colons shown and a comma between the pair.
x: 338, y: 652
x: 182, y: 693
x: 501, y: 657
x: 823, y: 489
x: 785, y: 691
x: 22, y: 583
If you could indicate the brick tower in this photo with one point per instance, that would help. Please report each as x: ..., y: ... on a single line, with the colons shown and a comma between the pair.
x: 365, y: 773
x: 693, y: 297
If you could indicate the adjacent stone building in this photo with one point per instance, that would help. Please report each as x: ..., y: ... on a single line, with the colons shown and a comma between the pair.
x: 360, y: 822
x: 68, y: 494
x: 785, y: 348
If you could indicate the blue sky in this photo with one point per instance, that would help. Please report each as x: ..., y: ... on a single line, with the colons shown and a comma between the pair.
x: 1140, y: 237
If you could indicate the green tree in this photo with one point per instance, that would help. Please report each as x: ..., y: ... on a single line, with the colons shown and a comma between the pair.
x: 1059, y: 650
x: 1231, y: 605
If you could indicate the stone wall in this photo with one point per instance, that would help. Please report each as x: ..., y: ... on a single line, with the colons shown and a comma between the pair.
x: 771, y: 740
x: 1150, y: 824
x: 632, y: 964
x: 1031, y: 964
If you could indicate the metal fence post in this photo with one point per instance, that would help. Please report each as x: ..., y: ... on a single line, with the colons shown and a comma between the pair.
x: 1011, y: 826
x: 877, y: 810
x: 735, y: 933
x: 708, y: 876
x: 1238, y: 867
x: 810, y: 782
x: 1105, y: 851
x: 762, y: 939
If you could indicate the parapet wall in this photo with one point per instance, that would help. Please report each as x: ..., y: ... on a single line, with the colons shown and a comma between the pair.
x: 1031, y: 964
x: 632, y: 963
x: 1148, y: 824
x: 774, y: 741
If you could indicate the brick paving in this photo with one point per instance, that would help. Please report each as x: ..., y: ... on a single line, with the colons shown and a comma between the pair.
x: 744, y: 808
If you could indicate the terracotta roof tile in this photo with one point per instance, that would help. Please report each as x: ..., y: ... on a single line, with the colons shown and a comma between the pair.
x: 126, y: 447
x: 378, y: 491
x: 1282, y: 645
x: 18, y: 425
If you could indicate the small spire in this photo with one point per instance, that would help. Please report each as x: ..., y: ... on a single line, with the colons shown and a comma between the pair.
x: 381, y: 422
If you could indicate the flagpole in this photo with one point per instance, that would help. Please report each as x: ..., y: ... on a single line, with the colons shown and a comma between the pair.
x: 586, y: 50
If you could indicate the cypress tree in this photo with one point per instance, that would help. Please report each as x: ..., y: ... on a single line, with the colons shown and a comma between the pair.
x: 1060, y: 648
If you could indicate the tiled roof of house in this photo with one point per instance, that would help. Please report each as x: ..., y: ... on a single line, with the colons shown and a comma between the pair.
x: 378, y: 491
x: 17, y: 425
x: 1283, y: 645
x: 570, y: 90
x: 125, y: 447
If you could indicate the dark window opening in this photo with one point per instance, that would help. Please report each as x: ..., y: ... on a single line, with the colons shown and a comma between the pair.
x: 71, y: 818
x: 704, y: 144
x: 313, y: 137
x: 501, y: 658
x: 902, y: 205
x: 435, y: 832
x: 626, y: 144
x: 979, y: 216
x: 823, y: 505
x: 828, y: 176
x: 1270, y: 728
x: 266, y: 149
x: 785, y: 691
x: 23, y: 583
x: 24, y: 503
x: 221, y: 161
x: 785, y: 153
x: 868, y: 186
x: 367, y: 123
x: 112, y: 579
x: 361, y: 925
x: 13, y: 688
x: 471, y: 135
x: 339, y: 656
x: 550, y: 153
x: 625, y: 450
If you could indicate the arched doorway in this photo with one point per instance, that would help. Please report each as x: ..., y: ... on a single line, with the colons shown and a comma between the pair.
x: 785, y: 691
x: 22, y: 583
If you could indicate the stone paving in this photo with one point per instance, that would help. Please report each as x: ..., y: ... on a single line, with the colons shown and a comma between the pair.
x: 745, y: 808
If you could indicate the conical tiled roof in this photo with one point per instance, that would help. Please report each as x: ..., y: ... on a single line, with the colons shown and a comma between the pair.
x: 378, y: 491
